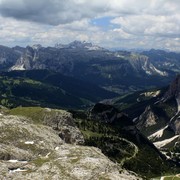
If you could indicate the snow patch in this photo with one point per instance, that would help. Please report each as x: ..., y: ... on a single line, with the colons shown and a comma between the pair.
x: 168, y: 64
x: 29, y: 142
x: 162, y: 73
x: 175, y: 116
x: 158, y: 134
x: 47, y: 155
x: 48, y: 109
x: 151, y: 93
x: 165, y: 153
x: 17, y: 170
x: 148, y: 72
x: 161, y: 144
x: 150, y: 69
x: 56, y: 148
x: 18, y: 67
x: 41, y: 142
x: 16, y: 161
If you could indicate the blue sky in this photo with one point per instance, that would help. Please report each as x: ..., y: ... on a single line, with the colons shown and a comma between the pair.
x: 112, y: 24
x: 104, y: 23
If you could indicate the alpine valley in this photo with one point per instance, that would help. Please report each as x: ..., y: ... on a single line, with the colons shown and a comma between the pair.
x: 118, y: 71
x: 80, y: 111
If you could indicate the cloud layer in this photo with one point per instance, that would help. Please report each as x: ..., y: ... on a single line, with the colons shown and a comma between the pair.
x: 132, y: 23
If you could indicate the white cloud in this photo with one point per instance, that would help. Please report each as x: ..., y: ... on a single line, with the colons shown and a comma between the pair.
x: 138, y: 24
x: 150, y: 25
x: 56, y: 12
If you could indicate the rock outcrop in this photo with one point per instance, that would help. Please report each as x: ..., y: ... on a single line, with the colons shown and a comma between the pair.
x: 148, y: 118
x: 174, y: 89
x: 60, y: 121
x: 173, y: 92
x: 161, y: 121
x: 64, y: 124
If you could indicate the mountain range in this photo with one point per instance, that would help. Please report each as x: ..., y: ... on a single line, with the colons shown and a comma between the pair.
x: 118, y: 71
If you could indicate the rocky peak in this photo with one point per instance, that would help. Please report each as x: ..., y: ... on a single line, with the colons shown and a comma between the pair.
x: 36, y: 46
x: 7, y: 56
x: 64, y: 124
x: 28, y: 58
x: 174, y: 89
x: 29, y: 52
x: 147, y: 119
x: 174, y: 92
x: 79, y: 45
x: 19, y: 49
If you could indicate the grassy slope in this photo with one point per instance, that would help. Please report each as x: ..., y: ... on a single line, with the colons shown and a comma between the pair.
x: 135, y: 103
x: 27, y: 92
x: 119, y: 145
x: 48, y: 89
x: 75, y: 87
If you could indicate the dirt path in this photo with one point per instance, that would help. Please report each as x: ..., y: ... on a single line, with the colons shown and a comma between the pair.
x: 133, y: 155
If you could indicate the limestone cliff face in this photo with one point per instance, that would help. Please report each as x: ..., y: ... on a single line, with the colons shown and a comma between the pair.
x: 174, y: 89
x: 174, y: 93
x: 30, y: 149
x: 63, y: 123
x: 8, y: 57
x: 148, y: 118
x: 161, y: 121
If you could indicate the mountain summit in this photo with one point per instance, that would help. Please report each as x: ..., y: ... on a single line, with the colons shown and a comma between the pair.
x: 79, y: 45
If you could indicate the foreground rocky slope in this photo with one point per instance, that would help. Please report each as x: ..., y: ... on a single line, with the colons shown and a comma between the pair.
x: 31, y: 148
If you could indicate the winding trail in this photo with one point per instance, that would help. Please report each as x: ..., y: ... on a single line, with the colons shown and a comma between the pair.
x: 133, y: 155
x: 124, y: 159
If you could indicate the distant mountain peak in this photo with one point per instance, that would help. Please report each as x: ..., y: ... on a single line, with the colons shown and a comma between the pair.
x: 36, y: 46
x: 76, y: 42
x: 79, y: 45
